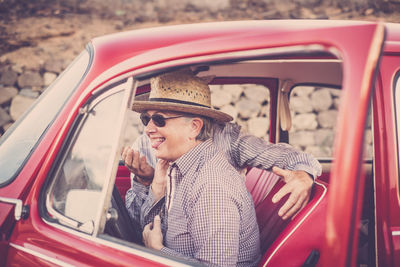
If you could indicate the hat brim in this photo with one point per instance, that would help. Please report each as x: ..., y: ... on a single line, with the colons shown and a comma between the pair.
x: 141, y: 106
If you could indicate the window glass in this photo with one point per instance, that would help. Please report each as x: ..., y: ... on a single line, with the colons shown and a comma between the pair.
x: 79, y: 181
x: 19, y: 141
x: 248, y: 104
x: 314, y: 113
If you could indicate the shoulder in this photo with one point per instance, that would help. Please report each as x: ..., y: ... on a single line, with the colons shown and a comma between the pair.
x: 218, y: 171
x: 229, y: 129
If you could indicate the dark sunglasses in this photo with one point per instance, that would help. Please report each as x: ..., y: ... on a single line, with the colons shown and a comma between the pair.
x: 158, y: 119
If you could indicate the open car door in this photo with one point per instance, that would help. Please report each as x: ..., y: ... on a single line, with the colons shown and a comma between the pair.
x: 347, y: 175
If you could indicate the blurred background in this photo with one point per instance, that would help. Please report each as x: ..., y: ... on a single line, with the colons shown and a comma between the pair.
x: 39, y: 38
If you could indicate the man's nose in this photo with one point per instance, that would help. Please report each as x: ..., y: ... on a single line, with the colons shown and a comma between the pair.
x: 151, y: 127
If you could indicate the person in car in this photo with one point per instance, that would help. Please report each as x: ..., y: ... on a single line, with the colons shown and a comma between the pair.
x: 242, y: 150
x: 206, y: 212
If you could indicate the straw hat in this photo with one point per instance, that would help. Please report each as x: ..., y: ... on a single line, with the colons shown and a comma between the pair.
x: 181, y: 91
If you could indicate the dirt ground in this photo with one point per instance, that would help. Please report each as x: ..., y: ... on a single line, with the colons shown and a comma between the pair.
x: 32, y: 32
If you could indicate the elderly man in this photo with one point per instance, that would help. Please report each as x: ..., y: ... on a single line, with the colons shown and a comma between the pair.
x: 207, y: 213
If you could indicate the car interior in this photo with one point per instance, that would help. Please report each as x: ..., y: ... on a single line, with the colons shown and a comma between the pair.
x: 302, y: 235
x: 279, y: 76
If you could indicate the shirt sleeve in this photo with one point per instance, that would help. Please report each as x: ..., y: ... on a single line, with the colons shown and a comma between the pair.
x: 142, y: 144
x: 134, y: 199
x: 137, y: 194
x: 245, y: 150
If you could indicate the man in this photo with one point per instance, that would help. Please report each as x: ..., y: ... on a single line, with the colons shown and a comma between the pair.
x: 242, y: 150
x: 206, y: 213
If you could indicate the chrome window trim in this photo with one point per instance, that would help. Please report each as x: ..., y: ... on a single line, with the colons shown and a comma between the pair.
x: 112, y: 166
x: 40, y: 255
x: 374, y: 182
x: 396, y: 121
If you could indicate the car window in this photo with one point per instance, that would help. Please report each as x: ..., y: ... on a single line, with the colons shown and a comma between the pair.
x: 248, y: 104
x: 19, y: 141
x: 314, y: 113
x: 75, y: 197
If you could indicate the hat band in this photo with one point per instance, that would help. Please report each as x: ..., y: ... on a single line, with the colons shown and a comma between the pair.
x: 177, y: 101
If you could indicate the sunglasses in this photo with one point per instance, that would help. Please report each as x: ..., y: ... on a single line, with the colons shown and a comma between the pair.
x: 158, y: 119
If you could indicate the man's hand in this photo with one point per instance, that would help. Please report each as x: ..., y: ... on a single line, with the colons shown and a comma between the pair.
x: 159, y: 184
x: 152, y: 236
x: 298, y: 184
x: 138, y: 165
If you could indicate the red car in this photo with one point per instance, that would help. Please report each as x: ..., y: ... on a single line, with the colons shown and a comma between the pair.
x: 62, y: 188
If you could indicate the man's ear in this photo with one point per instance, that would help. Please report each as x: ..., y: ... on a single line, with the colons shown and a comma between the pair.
x: 196, y: 126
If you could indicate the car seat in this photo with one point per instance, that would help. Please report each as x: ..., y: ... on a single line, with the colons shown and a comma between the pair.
x: 294, y: 242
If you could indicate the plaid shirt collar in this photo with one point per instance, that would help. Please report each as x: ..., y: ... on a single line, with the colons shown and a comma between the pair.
x: 191, y: 158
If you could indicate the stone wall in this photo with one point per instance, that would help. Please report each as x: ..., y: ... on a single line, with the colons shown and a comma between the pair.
x: 314, y: 116
x: 20, y: 87
x: 248, y: 104
x: 313, y: 112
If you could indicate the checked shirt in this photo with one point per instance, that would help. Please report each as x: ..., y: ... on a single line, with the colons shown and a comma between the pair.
x: 210, y: 217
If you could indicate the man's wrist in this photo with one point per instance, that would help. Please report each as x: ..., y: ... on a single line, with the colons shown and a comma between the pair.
x: 308, y: 174
x: 311, y: 176
x: 138, y: 179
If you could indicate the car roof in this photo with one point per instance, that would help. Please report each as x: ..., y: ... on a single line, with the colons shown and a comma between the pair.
x: 119, y: 51
x: 114, y: 48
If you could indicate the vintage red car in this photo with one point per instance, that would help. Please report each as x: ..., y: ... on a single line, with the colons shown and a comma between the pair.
x: 62, y: 188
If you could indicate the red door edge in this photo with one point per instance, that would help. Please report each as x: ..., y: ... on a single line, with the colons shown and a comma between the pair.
x: 347, y: 176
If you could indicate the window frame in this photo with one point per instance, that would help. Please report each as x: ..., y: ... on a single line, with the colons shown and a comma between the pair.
x: 51, y: 215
